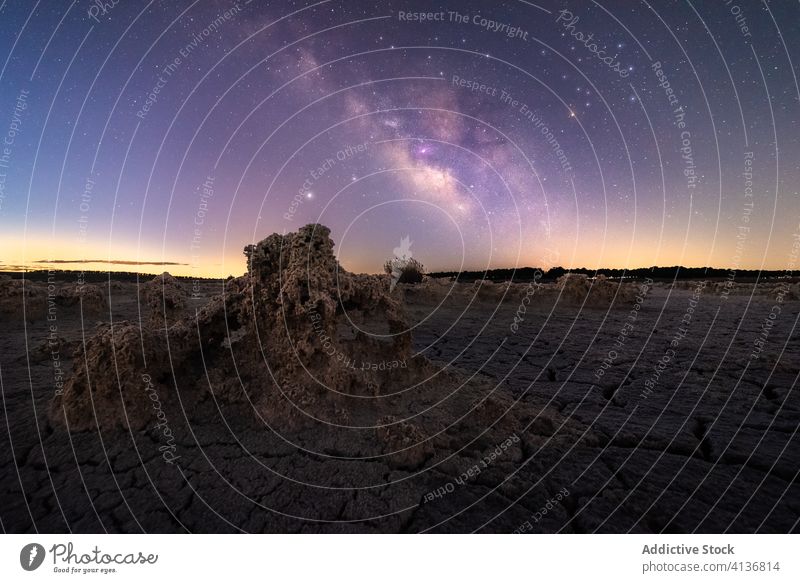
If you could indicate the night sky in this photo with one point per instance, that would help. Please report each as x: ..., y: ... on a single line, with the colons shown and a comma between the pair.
x: 581, y: 134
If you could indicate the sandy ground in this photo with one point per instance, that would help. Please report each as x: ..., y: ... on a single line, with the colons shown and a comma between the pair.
x: 705, y: 441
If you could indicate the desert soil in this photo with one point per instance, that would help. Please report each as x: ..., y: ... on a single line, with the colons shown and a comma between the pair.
x: 706, y: 441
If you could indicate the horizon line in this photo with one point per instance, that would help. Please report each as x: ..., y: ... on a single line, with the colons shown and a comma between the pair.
x: 35, y: 269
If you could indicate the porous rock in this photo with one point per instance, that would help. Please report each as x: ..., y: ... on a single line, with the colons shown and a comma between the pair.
x: 165, y: 298
x: 18, y: 296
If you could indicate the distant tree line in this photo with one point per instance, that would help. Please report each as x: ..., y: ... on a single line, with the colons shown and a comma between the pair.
x: 525, y: 274
x: 92, y: 276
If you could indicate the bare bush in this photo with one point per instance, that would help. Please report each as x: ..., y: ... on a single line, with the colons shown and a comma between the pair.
x: 405, y: 270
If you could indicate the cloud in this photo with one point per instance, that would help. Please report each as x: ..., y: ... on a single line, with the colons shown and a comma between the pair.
x: 108, y: 262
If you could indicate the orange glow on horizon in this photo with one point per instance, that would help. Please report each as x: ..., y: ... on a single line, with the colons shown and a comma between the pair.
x: 37, y: 253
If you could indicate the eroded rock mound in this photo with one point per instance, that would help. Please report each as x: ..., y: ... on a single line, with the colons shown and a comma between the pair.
x: 165, y: 298
x: 599, y: 292
x: 124, y: 371
x: 87, y: 297
x: 303, y: 296
x: 332, y: 332
x: 19, y: 296
x: 406, y: 441
x: 296, y: 336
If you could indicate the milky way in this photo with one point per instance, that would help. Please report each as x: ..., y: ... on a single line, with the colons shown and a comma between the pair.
x: 602, y: 134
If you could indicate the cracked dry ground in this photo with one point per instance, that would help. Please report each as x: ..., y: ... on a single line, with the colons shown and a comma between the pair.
x: 713, y: 447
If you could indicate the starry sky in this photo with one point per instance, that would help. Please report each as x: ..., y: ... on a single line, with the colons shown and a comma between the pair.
x: 158, y: 136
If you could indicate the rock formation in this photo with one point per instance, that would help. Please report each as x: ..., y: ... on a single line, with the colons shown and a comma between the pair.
x: 126, y: 369
x: 600, y: 292
x: 86, y: 297
x: 18, y: 295
x: 165, y: 299
x: 297, y: 336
